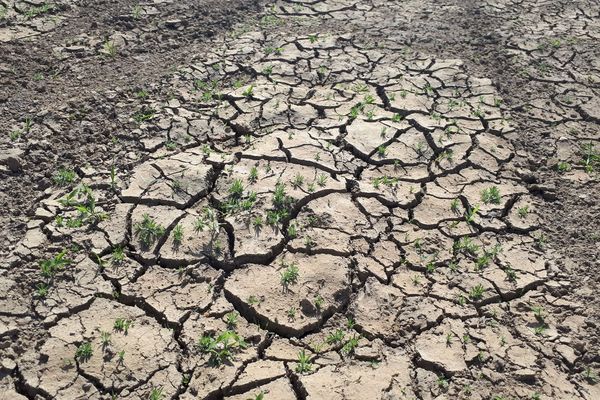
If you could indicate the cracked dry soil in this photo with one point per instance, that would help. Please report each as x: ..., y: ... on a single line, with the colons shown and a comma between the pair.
x: 324, y: 199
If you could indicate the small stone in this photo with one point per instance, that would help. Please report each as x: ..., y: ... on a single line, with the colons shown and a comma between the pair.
x: 12, y: 159
x: 8, y: 365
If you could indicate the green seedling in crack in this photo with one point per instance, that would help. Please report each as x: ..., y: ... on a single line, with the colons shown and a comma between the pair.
x: 258, y: 222
x: 143, y: 115
x: 109, y: 48
x: 84, y: 351
x: 471, y: 214
x: 105, y: 339
x: 322, y: 180
x: 248, y: 93
x: 539, y: 313
x: 36, y: 11
x: 82, y: 198
x: 442, y: 382
x: 291, y: 313
x: 304, y: 363
x: 42, y: 290
x: 590, y: 157
x: 350, y: 345
x: 335, y: 337
x: 253, y: 176
x: 64, y: 177
x: 491, y: 195
x: 148, y: 231
x: 292, y: 231
x: 590, y: 376
x: 319, y: 302
x: 290, y: 275
x: 563, y: 167
x: 177, y: 235
x: 122, y: 325
x: 50, y: 267
x: 523, y: 211
x: 222, y: 348
x: 118, y: 256
x: 258, y: 396
x: 231, y: 319
x: 476, y: 292
x: 156, y: 394
x: 298, y: 181
x: 136, y: 11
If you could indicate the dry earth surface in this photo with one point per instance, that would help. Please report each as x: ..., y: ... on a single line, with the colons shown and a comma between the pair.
x: 320, y: 199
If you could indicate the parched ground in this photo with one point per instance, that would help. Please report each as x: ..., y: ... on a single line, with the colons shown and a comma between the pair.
x: 324, y: 199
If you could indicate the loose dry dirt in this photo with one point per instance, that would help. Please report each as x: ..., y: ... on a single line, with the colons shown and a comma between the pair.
x: 325, y: 199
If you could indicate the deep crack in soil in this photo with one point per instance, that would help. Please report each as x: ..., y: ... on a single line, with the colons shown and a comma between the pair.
x: 325, y: 199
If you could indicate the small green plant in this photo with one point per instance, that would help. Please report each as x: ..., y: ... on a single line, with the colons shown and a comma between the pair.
x: 590, y: 157
x: 319, y: 302
x: 523, y: 211
x: 563, y: 167
x: 290, y: 275
x: 491, y: 195
x: 156, y: 394
x: 42, y: 290
x: 231, y: 319
x: 539, y: 330
x: 118, y: 255
x: 298, y: 181
x: 476, y: 292
x: 15, y: 135
x: 322, y: 180
x: 258, y: 396
x: 590, y: 376
x: 291, y: 313
x: 442, y: 382
x: 221, y: 348
x: 350, y: 345
x: 82, y: 198
x: 454, y: 204
x: 304, y: 364
x: 248, y: 92
x: 257, y: 222
x: 51, y: 266
x: 84, y: 351
x: 122, y: 325
x: 148, y: 231
x: 253, y: 177
x: 292, y: 231
x: 136, y: 11
x: 236, y: 189
x: 177, y: 235
x: 268, y: 70
x: 335, y: 337
x: 471, y: 213
x: 64, y: 177
x: 539, y: 313
x: 105, y: 338
x: 350, y: 323
x: 36, y: 11
x: 109, y: 48
x: 143, y: 115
